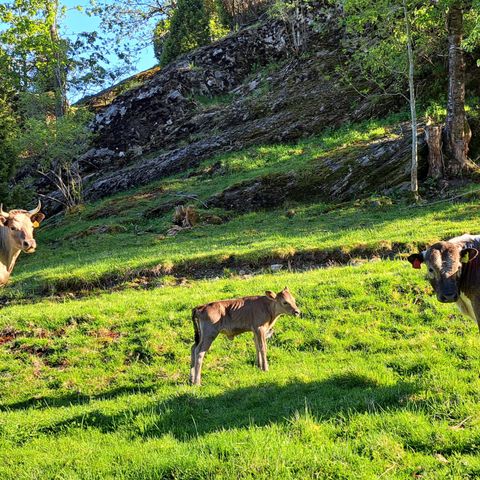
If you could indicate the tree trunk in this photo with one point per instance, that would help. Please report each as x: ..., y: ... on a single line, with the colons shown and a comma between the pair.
x: 58, y: 60
x: 413, y: 110
x: 433, y: 134
x: 457, y: 132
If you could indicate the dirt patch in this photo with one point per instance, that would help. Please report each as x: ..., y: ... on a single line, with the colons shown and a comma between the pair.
x: 105, y: 335
x: 8, y: 334
x: 39, y: 350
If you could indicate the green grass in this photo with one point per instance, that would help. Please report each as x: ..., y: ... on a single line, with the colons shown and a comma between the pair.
x: 375, y: 377
x: 250, y: 237
x: 375, y: 380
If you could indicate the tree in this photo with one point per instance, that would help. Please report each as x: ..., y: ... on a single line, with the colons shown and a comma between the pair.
x: 160, y: 36
x: 189, y: 29
x: 57, y: 60
x: 129, y: 25
x: 413, y: 109
x: 8, y: 153
x: 457, y: 132
x: 38, y: 68
x: 52, y: 147
x: 382, y: 39
x: 215, y: 30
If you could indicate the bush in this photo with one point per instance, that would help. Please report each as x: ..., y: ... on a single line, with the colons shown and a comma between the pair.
x: 8, y: 133
x: 51, y: 146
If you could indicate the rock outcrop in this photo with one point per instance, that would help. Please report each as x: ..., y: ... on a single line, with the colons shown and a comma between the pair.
x: 381, y: 167
x: 248, y: 88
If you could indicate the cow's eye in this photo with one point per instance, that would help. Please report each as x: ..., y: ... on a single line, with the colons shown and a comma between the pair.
x: 430, y: 270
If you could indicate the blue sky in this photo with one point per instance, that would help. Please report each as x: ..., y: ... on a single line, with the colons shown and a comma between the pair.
x: 76, y: 21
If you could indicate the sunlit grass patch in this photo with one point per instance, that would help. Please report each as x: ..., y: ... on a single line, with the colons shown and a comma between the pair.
x: 376, y: 375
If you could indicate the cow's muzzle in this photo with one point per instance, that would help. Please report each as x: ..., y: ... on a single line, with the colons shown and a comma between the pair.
x: 29, y: 246
x: 447, y: 297
x: 297, y: 313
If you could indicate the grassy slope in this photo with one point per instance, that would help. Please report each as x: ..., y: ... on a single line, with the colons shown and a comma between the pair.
x: 138, y: 240
x: 376, y: 378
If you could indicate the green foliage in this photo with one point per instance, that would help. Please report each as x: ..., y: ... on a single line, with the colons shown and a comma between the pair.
x: 189, y: 28
x: 160, y: 36
x: 51, y: 144
x: 436, y: 112
x: 127, y: 25
x: 217, y: 27
x: 192, y: 24
x: 46, y: 140
x: 377, y: 40
x: 225, y: 18
x: 8, y: 153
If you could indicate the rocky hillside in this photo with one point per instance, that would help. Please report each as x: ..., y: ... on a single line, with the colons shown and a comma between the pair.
x: 248, y: 88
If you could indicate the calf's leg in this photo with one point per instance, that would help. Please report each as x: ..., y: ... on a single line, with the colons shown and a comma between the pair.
x: 200, y: 351
x: 257, y: 341
x: 262, y: 347
x: 192, y: 362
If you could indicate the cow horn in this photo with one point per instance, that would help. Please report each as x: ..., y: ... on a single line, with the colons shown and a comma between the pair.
x: 35, y: 210
x: 2, y: 213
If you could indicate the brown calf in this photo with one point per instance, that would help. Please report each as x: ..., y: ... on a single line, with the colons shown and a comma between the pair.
x: 233, y: 317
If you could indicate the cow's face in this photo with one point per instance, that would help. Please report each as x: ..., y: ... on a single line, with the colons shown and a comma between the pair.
x: 285, y: 302
x: 20, y: 225
x: 444, y: 262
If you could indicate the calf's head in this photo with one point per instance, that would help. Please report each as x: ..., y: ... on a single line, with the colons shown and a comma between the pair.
x: 20, y: 225
x: 445, y: 262
x: 284, y: 302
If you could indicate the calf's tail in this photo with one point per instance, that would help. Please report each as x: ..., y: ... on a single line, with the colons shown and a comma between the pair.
x: 196, y: 327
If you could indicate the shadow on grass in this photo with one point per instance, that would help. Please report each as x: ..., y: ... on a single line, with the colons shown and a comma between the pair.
x: 190, y: 414
x: 74, y: 398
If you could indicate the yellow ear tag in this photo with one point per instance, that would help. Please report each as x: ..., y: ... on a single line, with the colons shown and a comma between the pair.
x: 465, y: 258
x: 35, y: 224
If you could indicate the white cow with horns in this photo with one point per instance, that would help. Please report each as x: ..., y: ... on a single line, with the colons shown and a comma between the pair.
x: 16, y: 235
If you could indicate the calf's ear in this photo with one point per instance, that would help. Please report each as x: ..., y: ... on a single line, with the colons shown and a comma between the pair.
x: 416, y: 260
x: 468, y: 254
x: 270, y: 294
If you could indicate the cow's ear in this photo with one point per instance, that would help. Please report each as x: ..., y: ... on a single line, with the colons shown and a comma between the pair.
x: 3, y: 220
x: 36, y: 218
x: 468, y: 254
x: 270, y: 294
x: 285, y: 289
x: 416, y: 260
